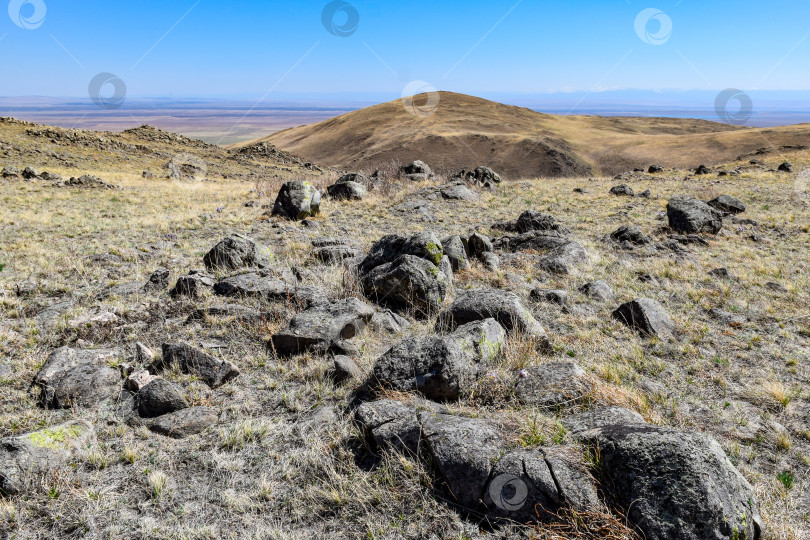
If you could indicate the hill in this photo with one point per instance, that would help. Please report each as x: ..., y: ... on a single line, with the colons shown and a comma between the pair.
x: 465, y: 131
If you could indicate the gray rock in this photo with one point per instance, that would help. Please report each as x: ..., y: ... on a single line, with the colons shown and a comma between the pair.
x: 786, y: 167
x: 440, y: 367
x: 458, y: 191
x: 691, y: 216
x: 647, y: 316
x: 158, y: 280
x: 631, y: 234
x: 721, y: 273
x: 193, y: 285
x: 675, y: 484
x: 138, y: 379
x: 533, y: 241
x: 318, y: 328
x: 78, y: 378
x: 333, y: 250
x: 553, y: 385
x: 550, y: 296
x: 269, y: 288
x: 655, y: 169
x: 485, y: 175
x: 727, y: 204
x: 491, y: 261
x: 344, y: 369
x: 297, y: 200
x: 237, y: 252
x: 10, y: 172
x: 408, y: 282
x: 159, y: 397
x: 390, y: 426
x: 463, y: 452
x: 454, y: 249
x: 598, y: 290
x: 347, y: 190
x: 390, y: 322
x: 143, y: 354
x: 601, y: 417
x: 183, y: 423
x: 623, y: 190
x: 30, y: 173
x: 565, y: 259
x: 478, y: 244
x: 503, y: 306
x: 212, y: 371
x: 727, y: 318
x: 702, y: 170
x: 417, y: 171
x: 26, y: 459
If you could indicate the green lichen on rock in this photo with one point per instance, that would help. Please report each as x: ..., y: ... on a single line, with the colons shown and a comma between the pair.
x: 436, y: 253
x: 54, y: 438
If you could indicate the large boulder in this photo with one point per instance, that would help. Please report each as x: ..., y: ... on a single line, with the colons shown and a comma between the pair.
x: 441, y: 367
x: 269, y: 288
x: 503, y: 306
x: 485, y: 175
x: 417, y: 171
x: 238, y: 251
x: 675, y: 484
x: 159, y: 397
x: 647, y: 316
x: 407, y: 273
x: 297, y: 200
x: 691, y: 216
x: 349, y: 187
x: 78, y: 378
x: 25, y: 459
x: 212, y: 371
x: 319, y: 328
x: 727, y: 204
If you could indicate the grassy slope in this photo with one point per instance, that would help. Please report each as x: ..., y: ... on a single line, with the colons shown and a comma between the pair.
x: 264, y: 471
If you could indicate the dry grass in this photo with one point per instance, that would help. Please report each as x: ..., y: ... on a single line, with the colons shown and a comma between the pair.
x: 270, y: 469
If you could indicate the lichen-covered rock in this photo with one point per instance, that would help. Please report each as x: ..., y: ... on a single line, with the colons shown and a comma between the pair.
x: 297, y: 200
x: 485, y: 175
x: 454, y: 249
x: 347, y: 190
x: 27, y: 458
x: 441, y: 367
x: 553, y: 385
x: 238, y: 251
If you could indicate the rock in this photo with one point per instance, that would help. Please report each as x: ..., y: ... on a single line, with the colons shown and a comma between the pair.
x: 143, y: 354
x: 10, y: 172
x: 646, y: 194
x: 598, y: 290
x: 297, y: 200
x: 786, y: 167
x: 390, y: 322
x: 601, y: 417
x: 410, y: 281
x: 159, y: 397
x: 550, y: 296
x: 727, y: 318
x: 691, y: 216
x: 78, y: 378
x: 675, y: 484
x: 26, y: 459
x: 212, y: 371
x: 703, y: 169
x: 485, y: 175
x: 455, y: 251
x: 727, y: 204
x: 29, y: 173
x: 565, y: 259
x: 721, y: 273
x: 503, y: 306
x: 417, y: 171
x: 462, y: 450
x: 647, y: 316
x: 269, y: 288
x: 348, y: 190
x: 183, y: 423
x: 654, y: 169
x: 333, y: 250
x: 530, y: 221
x: 440, y: 368
x: 390, y: 426
x: 137, y: 380
x: 193, y: 285
x: 630, y: 234
x: 491, y: 261
x: 344, y: 369
x: 553, y: 385
x: 237, y: 252
x: 458, y: 191
x: 623, y: 190
x: 478, y: 244
x: 158, y: 280
x: 318, y: 328
x: 776, y: 287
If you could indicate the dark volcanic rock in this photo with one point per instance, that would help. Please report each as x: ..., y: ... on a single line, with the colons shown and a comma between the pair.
x: 727, y: 204
x: 213, y: 371
x: 630, y: 234
x: 183, y: 423
x: 647, y: 316
x: 553, y: 385
x: 297, y: 200
x: 159, y: 397
x: 75, y: 377
x: 236, y: 252
x: 691, y: 216
x: 623, y: 190
x: 192, y: 285
x: 348, y: 188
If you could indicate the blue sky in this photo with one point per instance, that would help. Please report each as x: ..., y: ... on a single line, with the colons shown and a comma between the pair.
x: 186, y: 48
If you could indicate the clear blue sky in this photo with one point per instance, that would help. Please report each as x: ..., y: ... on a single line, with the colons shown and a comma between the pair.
x: 251, y: 47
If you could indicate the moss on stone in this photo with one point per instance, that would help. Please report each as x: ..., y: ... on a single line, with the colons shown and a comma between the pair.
x: 54, y: 438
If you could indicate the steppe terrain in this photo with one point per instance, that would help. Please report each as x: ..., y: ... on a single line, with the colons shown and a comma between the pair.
x: 285, y: 456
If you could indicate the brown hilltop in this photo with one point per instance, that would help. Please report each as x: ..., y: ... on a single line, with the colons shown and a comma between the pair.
x: 466, y: 131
